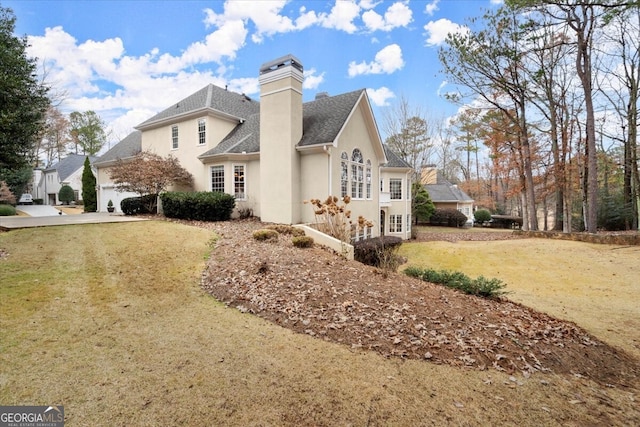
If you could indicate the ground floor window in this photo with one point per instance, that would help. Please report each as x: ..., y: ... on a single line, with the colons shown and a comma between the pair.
x: 395, y: 223
x: 239, y: 182
x: 217, y: 178
x: 408, y: 222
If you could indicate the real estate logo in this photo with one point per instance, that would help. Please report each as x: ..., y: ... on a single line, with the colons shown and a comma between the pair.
x: 31, y: 416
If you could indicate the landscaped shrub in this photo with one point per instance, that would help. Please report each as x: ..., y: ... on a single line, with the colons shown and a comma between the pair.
x: 448, y: 218
x: 137, y: 205
x: 7, y: 210
x: 286, y: 229
x: 89, y: 193
x: 481, y: 286
x: 265, y: 234
x: 379, y: 252
x: 482, y: 215
x: 38, y: 201
x: 66, y: 195
x: 200, y: 206
x: 302, y: 241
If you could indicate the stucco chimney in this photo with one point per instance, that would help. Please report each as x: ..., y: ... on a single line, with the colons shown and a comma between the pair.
x: 429, y: 175
x: 280, y: 131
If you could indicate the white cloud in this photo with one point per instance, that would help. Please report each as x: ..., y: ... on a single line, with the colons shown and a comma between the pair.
x: 387, y: 61
x: 341, y: 17
x: 311, y: 80
x: 430, y: 8
x: 437, y: 31
x: 379, y: 97
x: 397, y: 15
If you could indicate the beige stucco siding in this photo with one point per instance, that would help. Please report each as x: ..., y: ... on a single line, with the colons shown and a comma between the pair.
x: 159, y: 141
x: 314, y: 181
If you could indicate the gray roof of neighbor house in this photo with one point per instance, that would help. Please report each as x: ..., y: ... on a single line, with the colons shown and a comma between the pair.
x: 128, y: 147
x: 394, y: 160
x: 445, y: 191
x: 69, y: 165
x: 210, y: 97
x: 322, y: 120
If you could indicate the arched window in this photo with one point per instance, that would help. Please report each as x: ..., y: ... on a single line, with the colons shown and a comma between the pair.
x: 368, y: 178
x: 357, y: 174
x: 344, y: 174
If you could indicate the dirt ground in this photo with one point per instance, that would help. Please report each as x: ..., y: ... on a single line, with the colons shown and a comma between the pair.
x: 313, y: 291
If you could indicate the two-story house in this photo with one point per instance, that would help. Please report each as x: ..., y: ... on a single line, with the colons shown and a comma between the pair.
x: 274, y: 154
x: 68, y: 171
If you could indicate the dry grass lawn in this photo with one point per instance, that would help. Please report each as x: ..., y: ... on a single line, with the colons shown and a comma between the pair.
x: 110, y: 321
x: 595, y: 286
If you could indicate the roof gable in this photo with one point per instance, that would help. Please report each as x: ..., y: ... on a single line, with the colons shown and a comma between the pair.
x: 69, y: 165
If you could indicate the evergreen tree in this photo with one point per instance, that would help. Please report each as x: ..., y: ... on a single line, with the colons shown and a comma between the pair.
x: 89, y: 195
x: 23, y: 100
x: 421, y: 205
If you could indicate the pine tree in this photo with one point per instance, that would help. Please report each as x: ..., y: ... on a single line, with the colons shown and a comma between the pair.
x: 89, y: 195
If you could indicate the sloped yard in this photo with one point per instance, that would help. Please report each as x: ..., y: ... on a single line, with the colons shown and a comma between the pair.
x: 111, y: 321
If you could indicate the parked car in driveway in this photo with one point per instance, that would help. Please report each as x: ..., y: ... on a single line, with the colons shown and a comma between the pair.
x: 25, y: 199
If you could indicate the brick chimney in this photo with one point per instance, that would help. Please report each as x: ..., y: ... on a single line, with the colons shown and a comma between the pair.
x: 280, y: 131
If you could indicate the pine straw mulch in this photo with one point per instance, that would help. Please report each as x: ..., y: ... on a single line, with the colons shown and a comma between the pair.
x: 316, y: 292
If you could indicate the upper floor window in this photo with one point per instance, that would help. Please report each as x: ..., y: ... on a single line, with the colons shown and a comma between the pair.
x: 202, y: 131
x: 395, y: 188
x: 174, y: 137
x: 368, y: 178
x: 344, y: 174
x: 217, y: 178
x: 239, y: 182
x: 357, y: 174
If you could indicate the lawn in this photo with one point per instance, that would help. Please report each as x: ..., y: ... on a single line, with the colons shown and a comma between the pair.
x: 593, y: 285
x: 110, y: 321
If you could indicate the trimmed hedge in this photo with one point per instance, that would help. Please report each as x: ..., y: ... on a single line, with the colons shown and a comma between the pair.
x: 199, y: 206
x: 377, y: 250
x: 7, y: 210
x: 137, y: 205
x: 448, y: 218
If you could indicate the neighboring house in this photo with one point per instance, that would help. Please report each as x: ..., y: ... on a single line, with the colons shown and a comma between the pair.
x: 444, y: 194
x: 274, y: 154
x: 68, y: 171
x: 125, y: 149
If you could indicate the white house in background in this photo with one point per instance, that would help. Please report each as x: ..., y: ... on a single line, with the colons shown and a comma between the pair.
x: 274, y: 154
x: 68, y: 171
x: 444, y: 194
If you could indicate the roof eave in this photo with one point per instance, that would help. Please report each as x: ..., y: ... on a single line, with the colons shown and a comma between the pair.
x: 187, y: 115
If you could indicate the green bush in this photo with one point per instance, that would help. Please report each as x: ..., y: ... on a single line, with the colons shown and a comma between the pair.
x: 137, y: 205
x: 286, y: 229
x: 482, y: 215
x: 302, y: 241
x: 7, y: 210
x: 378, y: 251
x: 265, y: 234
x: 66, y: 195
x: 448, y: 218
x: 200, y: 205
x: 38, y: 201
x: 481, y: 286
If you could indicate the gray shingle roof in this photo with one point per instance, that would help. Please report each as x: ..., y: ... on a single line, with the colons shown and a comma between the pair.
x: 67, y: 166
x: 321, y: 122
x: 212, y: 97
x: 129, y: 146
x: 394, y: 160
x: 444, y: 191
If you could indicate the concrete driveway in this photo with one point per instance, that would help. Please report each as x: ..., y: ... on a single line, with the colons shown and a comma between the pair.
x: 43, y: 217
x: 39, y: 210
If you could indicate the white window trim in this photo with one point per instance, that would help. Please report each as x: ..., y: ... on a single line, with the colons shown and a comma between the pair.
x: 205, y: 131
x: 175, y: 144
x: 223, y: 177
x: 233, y: 176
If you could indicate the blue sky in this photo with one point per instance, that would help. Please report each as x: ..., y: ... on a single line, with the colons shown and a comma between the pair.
x: 127, y: 60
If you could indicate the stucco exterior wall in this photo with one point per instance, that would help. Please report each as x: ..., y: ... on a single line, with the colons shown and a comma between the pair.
x: 159, y: 141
